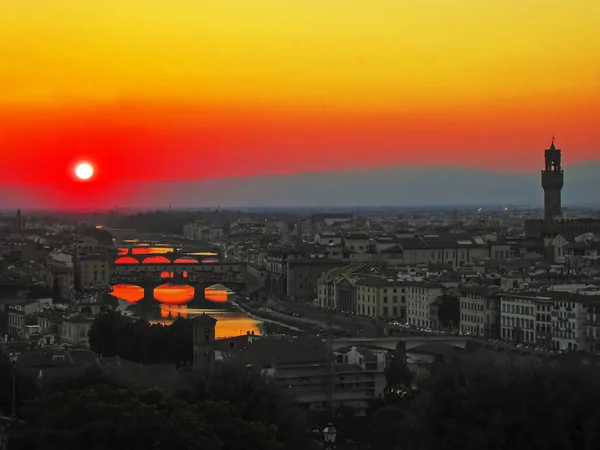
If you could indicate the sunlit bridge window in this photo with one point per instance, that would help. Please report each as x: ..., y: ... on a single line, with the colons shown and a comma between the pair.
x: 186, y: 261
x: 127, y: 260
x: 156, y: 260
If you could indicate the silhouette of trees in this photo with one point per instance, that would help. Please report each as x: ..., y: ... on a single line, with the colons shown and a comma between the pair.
x: 253, y: 397
x: 101, y: 417
x: 493, y: 407
x: 449, y: 311
x: 113, y: 334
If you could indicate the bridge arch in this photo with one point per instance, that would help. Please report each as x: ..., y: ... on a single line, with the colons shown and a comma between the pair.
x: 410, y: 342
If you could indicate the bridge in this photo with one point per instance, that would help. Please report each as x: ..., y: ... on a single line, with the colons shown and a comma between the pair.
x: 166, y: 258
x: 410, y: 342
x: 167, y: 272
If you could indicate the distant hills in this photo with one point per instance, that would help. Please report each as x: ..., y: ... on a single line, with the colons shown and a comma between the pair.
x: 408, y: 186
x: 403, y: 186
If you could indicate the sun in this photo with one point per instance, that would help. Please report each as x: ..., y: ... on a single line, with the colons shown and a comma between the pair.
x: 84, y: 171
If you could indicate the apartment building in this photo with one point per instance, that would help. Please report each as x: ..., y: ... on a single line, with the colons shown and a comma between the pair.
x: 518, y: 318
x: 381, y: 297
x: 303, y: 277
x: 93, y: 269
x: 302, y: 365
x: 22, y: 314
x: 559, y: 320
x: 480, y: 312
x: 337, y: 288
x: 420, y: 296
x: 74, y: 330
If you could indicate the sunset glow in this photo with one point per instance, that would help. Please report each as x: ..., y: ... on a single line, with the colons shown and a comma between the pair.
x: 238, y: 88
x: 173, y: 294
x: 128, y: 292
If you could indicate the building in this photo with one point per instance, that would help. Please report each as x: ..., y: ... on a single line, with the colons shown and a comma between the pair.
x: 381, y: 297
x: 93, y: 270
x: 357, y: 376
x: 552, y: 183
x: 201, y: 230
x: 74, y: 330
x: 303, y: 277
x: 418, y: 303
x: 449, y: 251
x: 553, y: 223
x: 23, y: 314
x: 203, y: 339
x: 480, y: 312
x: 518, y: 318
x: 337, y: 288
x: 277, y: 266
x: 60, y: 274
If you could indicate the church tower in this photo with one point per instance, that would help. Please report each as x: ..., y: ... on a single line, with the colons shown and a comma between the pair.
x: 552, y: 182
x: 203, y: 339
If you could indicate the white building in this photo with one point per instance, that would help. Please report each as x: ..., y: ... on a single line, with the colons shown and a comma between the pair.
x: 517, y: 317
x: 419, y: 300
x: 382, y: 298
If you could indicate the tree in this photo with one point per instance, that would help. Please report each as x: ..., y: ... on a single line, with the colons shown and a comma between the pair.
x: 102, y: 417
x: 449, y: 311
x: 113, y: 334
x: 471, y: 407
x: 255, y: 399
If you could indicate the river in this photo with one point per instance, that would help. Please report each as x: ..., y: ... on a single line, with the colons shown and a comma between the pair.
x: 172, y: 301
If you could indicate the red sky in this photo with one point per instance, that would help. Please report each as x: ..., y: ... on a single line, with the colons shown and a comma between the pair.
x: 159, y: 90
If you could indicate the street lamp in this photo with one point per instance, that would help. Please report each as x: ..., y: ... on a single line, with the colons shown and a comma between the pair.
x: 13, y: 361
x: 329, y: 434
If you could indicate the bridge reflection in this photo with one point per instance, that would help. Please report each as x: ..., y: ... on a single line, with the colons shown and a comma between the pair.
x: 171, y: 302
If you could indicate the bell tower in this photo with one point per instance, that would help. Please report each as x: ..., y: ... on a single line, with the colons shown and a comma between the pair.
x: 552, y: 182
x: 203, y: 339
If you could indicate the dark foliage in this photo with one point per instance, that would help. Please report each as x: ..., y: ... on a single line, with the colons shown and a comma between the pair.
x: 449, y: 311
x: 112, y: 334
x: 102, y: 417
x: 26, y: 388
x: 253, y: 397
x: 496, y: 408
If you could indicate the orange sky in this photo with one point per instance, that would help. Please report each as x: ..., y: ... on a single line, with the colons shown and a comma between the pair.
x: 161, y: 89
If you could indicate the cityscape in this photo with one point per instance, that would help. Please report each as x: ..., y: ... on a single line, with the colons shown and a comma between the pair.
x: 344, y: 316
x: 316, y: 225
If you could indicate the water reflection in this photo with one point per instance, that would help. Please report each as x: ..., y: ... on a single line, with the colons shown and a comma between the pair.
x: 173, y: 301
x: 216, y: 295
x: 174, y: 294
x: 173, y: 311
x: 128, y: 292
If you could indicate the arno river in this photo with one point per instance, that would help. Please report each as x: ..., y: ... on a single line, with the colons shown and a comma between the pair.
x: 171, y: 301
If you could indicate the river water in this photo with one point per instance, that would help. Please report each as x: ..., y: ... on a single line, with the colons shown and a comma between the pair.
x: 171, y: 301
